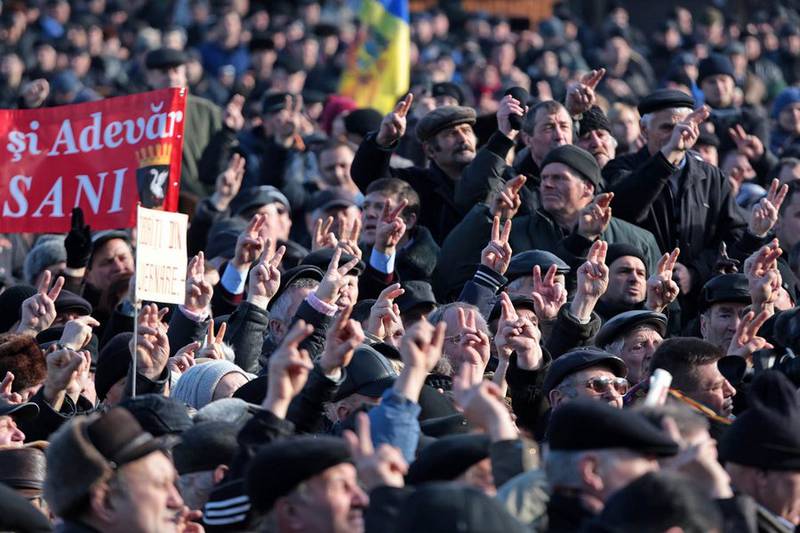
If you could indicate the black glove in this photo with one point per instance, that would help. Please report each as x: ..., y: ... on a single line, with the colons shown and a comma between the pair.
x: 78, y: 242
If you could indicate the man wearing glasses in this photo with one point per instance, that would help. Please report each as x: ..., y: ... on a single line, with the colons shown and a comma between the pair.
x: 586, y: 373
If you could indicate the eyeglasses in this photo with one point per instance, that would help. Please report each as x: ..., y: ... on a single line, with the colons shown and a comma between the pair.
x: 602, y: 384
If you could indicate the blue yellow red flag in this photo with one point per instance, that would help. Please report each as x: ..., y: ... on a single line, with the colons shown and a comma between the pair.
x: 378, y: 64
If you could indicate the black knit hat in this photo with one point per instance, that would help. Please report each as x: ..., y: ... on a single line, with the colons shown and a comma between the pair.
x: 362, y: 121
x: 279, y: 467
x: 112, y: 363
x: 448, y: 458
x: 621, y: 249
x: 593, y: 119
x: 712, y: 65
x: 577, y: 159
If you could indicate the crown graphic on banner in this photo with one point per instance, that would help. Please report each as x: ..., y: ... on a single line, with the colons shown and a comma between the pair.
x: 156, y: 154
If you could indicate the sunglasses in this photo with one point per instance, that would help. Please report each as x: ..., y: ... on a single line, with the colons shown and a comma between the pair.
x: 601, y: 385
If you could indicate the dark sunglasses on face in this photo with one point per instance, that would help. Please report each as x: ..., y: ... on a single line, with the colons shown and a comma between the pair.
x: 602, y: 384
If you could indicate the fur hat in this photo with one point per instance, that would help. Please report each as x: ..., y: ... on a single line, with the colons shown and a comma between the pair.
x: 42, y: 255
x: 21, y: 355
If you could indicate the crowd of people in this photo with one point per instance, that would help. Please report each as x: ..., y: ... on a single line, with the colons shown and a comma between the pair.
x: 554, y: 289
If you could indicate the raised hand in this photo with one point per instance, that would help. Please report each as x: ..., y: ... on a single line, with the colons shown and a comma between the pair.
x: 581, y: 95
x: 78, y: 242
x: 342, y: 339
x: 6, y: 392
x: 595, y: 217
x: 548, y: 295
x: 213, y: 347
x: 746, y: 340
x: 39, y: 311
x: 265, y: 278
x: 516, y: 334
x: 62, y: 369
x: 506, y: 202
x: 474, y: 343
x: 232, y: 117
x: 78, y: 332
x: 497, y: 254
x: 151, y: 343
x: 685, y: 135
x: 198, y: 291
x: 184, y: 359
x: 81, y: 378
x: 288, y: 370
x: 483, y: 406
x: 763, y: 277
x: 393, y: 125
x: 592, y: 282
x: 509, y: 106
x: 335, y: 278
x: 385, y: 467
x: 661, y: 289
x: 421, y: 346
x: 249, y: 244
x: 390, y: 228
x: 384, y: 317
x: 349, y: 233
x: 749, y: 146
x: 764, y: 214
x: 323, y: 234
x: 228, y: 183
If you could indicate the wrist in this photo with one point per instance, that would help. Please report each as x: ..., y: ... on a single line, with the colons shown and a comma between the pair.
x: 673, y: 155
x: 54, y: 396
x: 530, y: 358
x: 582, y: 307
x: 277, y: 406
x: 219, y: 202
x: 259, y: 301
x: 501, y: 428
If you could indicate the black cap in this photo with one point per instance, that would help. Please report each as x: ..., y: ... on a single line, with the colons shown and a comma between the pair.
x: 362, y: 121
x: 442, y: 118
x: 369, y: 374
x: 441, y: 426
x: 438, y: 507
x: 707, y: 138
x: 158, y: 414
x: 448, y: 88
x: 25, y: 411
x: 101, y: 237
x: 580, y: 359
x: 448, y: 458
x: 767, y: 434
x: 518, y: 302
x: 522, y: 263
x: 261, y: 41
x: 222, y: 242
x: 331, y: 198
x: 69, y: 301
x: 625, y: 322
x: 112, y: 363
x: 588, y: 425
x: 262, y: 195
x: 205, y: 446
x: 272, y: 102
x: 321, y: 259
x: 713, y: 65
x: 253, y: 392
x: 621, y: 249
x: 732, y: 288
x: 593, y: 119
x: 417, y: 293
x: 301, y: 271
x: 279, y: 467
x: 311, y: 96
x: 18, y: 514
x: 164, y: 58
x: 664, y: 99
x: 577, y: 159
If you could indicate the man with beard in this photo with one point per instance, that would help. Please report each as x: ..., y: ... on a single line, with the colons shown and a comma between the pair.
x: 594, y: 136
x: 449, y: 143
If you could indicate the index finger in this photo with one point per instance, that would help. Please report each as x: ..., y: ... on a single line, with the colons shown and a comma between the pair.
x: 496, y: 228
x: 506, y: 308
x: 347, y: 267
x: 506, y: 231
x: 698, y: 116
x: 334, y: 264
x: 780, y: 196
x: 364, y: 435
x: 210, y: 332
x: 604, y: 200
x: 407, y: 101
x: 517, y: 183
x: 399, y: 209
x: 673, y: 258
x: 384, y: 295
x: 221, y: 333
x: 56, y: 290
x: 278, y: 257
x: 44, y: 283
x: 593, y: 78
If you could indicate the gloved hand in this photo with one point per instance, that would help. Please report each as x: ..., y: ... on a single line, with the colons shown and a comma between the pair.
x: 79, y: 241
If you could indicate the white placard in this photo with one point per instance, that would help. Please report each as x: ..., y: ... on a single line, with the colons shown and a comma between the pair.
x: 161, y: 256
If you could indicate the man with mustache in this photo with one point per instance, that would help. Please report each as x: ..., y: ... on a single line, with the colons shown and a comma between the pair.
x: 594, y: 136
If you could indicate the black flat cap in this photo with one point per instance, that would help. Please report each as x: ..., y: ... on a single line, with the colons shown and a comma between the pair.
x: 448, y: 458
x: 330, y: 199
x: 593, y: 119
x: 164, y: 58
x: 621, y: 249
x: 222, y: 243
x: 253, y: 392
x: 69, y: 301
x: 713, y: 65
x: 767, y: 434
x: 112, y: 363
x: 522, y: 263
x: 262, y: 195
x: 588, y: 425
x: 448, y: 88
x: 299, y: 272
x: 439, y: 507
x: 664, y: 99
x: 442, y: 118
x: 518, y: 302
x: 24, y: 411
x: 18, y: 514
x: 272, y: 102
x: 625, y: 322
x: 101, y: 237
x: 158, y: 414
x: 417, y: 293
x: 279, y: 467
x: 369, y: 374
x: 321, y: 259
x: 362, y: 121
x: 707, y: 138
x: 580, y: 359
x: 731, y: 288
x: 205, y: 446
x: 444, y: 425
x: 577, y: 159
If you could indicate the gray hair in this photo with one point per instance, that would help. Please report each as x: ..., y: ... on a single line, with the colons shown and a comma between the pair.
x: 561, y: 468
x: 647, y: 118
x: 280, y: 308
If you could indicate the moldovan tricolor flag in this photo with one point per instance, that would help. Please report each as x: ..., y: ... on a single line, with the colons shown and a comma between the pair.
x: 378, y: 66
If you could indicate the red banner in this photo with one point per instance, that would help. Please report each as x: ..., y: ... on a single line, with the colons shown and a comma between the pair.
x: 101, y: 156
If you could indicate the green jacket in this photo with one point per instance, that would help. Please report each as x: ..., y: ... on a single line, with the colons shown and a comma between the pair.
x: 203, y: 120
x: 461, y: 251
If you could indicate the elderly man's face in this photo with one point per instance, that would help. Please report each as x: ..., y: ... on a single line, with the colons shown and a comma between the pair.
x: 660, y: 126
x: 600, y: 144
x: 145, y: 498
x: 111, y: 263
x: 627, y: 282
x: 637, y: 350
x: 595, y: 383
x: 562, y: 191
x: 10, y: 434
x: 718, y: 324
x: 781, y: 494
x: 619, y: 467
x: 550, y: 130
x: 453, y: 147
x: 332, y: 502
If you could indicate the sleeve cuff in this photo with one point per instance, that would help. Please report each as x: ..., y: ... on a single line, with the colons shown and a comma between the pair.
x: 232, y: 280
x: 194, y: 317
x: 499, y: 144
x: 319, y: 306
x: 487, y: 277
x: 381, y: 262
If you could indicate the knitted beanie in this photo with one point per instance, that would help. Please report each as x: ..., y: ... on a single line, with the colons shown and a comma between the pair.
x: 196, y: 386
